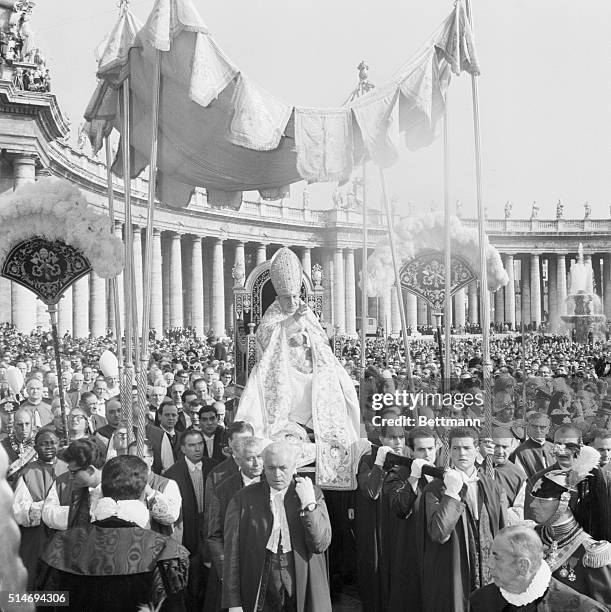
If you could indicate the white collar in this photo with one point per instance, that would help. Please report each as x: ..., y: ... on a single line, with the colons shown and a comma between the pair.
x: 131, y: 510
x: 273, y: 493
x: 537, y: 587
x: 208, y: 437
x: 247, y: 481
x: 193, y: 466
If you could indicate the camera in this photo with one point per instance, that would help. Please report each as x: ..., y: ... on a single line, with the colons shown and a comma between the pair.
x: 393, y: 460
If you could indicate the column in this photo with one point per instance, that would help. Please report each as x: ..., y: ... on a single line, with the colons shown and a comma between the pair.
x: 350, y: 292
x: 499, y: 306
x: 607, y: 284
x: 156, y: 318
x: 207, y: 273
x: 64, y: 313
x: 175, y: 281
x: 23, y: 301
x: 218, y: 289
x: 165, y: 280
x: 261, y: 253
x: 306, y: 260
x: 596, y: 274
x: 385, y: 314
x: 5, y: 299
x: 395, y: 315
x: 339, y: 291
x: 510, y: 292
x: 240, y: 258
x: 525, y: 290
x: 561, y: 283
x: 422, y: 312
x: 473, y: 303
x: 411, y: 311
x: 80, y: 308
x: 459, y: 308
x: 535, y: 290
x: 552, y: 291
x: 228, y: 261
x: 196, y: 286
x: 97, y: 305
x: 138, y: 272
x: 328, y: 306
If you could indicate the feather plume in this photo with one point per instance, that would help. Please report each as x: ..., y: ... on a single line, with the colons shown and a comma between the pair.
x: 586, y: 461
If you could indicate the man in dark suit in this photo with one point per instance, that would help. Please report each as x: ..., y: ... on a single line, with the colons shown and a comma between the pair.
x: 88, y: 403
x: 190, y: 474
x: 212, y: 433
x: 248, y: 457
x: 276, y: 533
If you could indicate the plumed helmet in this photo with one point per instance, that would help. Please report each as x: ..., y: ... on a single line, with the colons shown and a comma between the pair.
x: 286, y: 272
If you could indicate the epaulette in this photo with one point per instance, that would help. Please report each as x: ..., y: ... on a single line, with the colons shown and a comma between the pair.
x: 598, y: 554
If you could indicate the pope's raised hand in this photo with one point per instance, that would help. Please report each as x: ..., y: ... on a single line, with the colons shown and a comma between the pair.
x: 305, y: 489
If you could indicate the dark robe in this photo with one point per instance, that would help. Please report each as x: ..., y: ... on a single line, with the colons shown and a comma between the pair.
x: 191, y: 522
x: 77, y: 499
x: 405, y: 566
x: 248, y: 526
x: 454, y: 546
x: 511, y: 477
x: 217, y: 446
x: 557, y: 598
x: 191, y: 526
x: 378, y: 530
x: 113, y: 566
x: 533, y: 456
x: 222, y: 470
x: 216, y: 508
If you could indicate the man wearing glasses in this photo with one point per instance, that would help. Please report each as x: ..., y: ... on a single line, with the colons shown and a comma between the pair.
x: 69, y: 499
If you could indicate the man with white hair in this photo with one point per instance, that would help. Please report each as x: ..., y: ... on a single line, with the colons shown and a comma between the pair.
x: 276, y: 533
x: 248, y: 456
x: 522, y: 580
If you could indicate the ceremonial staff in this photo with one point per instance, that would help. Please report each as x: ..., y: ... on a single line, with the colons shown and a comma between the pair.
x: 483, y: 244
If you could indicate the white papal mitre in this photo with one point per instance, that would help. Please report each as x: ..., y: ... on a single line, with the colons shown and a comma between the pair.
x: 285, y: 272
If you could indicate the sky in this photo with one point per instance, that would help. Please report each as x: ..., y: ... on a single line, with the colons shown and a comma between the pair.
x: 544, y: 92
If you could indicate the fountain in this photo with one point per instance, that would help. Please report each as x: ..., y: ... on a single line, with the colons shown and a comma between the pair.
x: 583, y: 306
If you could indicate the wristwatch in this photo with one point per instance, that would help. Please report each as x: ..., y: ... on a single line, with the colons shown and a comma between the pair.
x: 309, y: 508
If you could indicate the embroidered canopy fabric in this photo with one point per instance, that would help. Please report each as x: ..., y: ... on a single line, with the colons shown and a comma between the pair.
x: 220, y: 131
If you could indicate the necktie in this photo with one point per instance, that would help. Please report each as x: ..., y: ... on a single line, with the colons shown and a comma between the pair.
x: 198, y: 486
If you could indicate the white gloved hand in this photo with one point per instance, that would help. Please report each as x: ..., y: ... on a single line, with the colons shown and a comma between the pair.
x: 453, y: 482
x: 35, y: 513
x: 381, y: 455
x: 417, y: 467
x: 305, y: 490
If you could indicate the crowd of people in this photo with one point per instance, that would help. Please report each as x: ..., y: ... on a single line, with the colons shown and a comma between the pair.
x: 211, y: 516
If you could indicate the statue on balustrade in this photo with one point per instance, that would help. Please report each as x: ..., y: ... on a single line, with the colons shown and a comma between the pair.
x: 297, y: 379
x: 535, y: 211
x: 508, y: 209
x: 559, y: 209
x: 587, y: 207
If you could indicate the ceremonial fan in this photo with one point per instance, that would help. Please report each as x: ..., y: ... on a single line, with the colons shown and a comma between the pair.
x: 49, y: 240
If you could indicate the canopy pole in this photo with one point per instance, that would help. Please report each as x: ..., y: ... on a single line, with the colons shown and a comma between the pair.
x: 395, y: 263
x: 148, y: 277
x: 364, y: 296
x: 114, y: 287
x: 53, y: 315
x: 128, y: 372
x: 447, y: 254
x: 483, y: 244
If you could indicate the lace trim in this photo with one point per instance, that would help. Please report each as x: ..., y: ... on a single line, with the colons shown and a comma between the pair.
x: 536, y: 588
